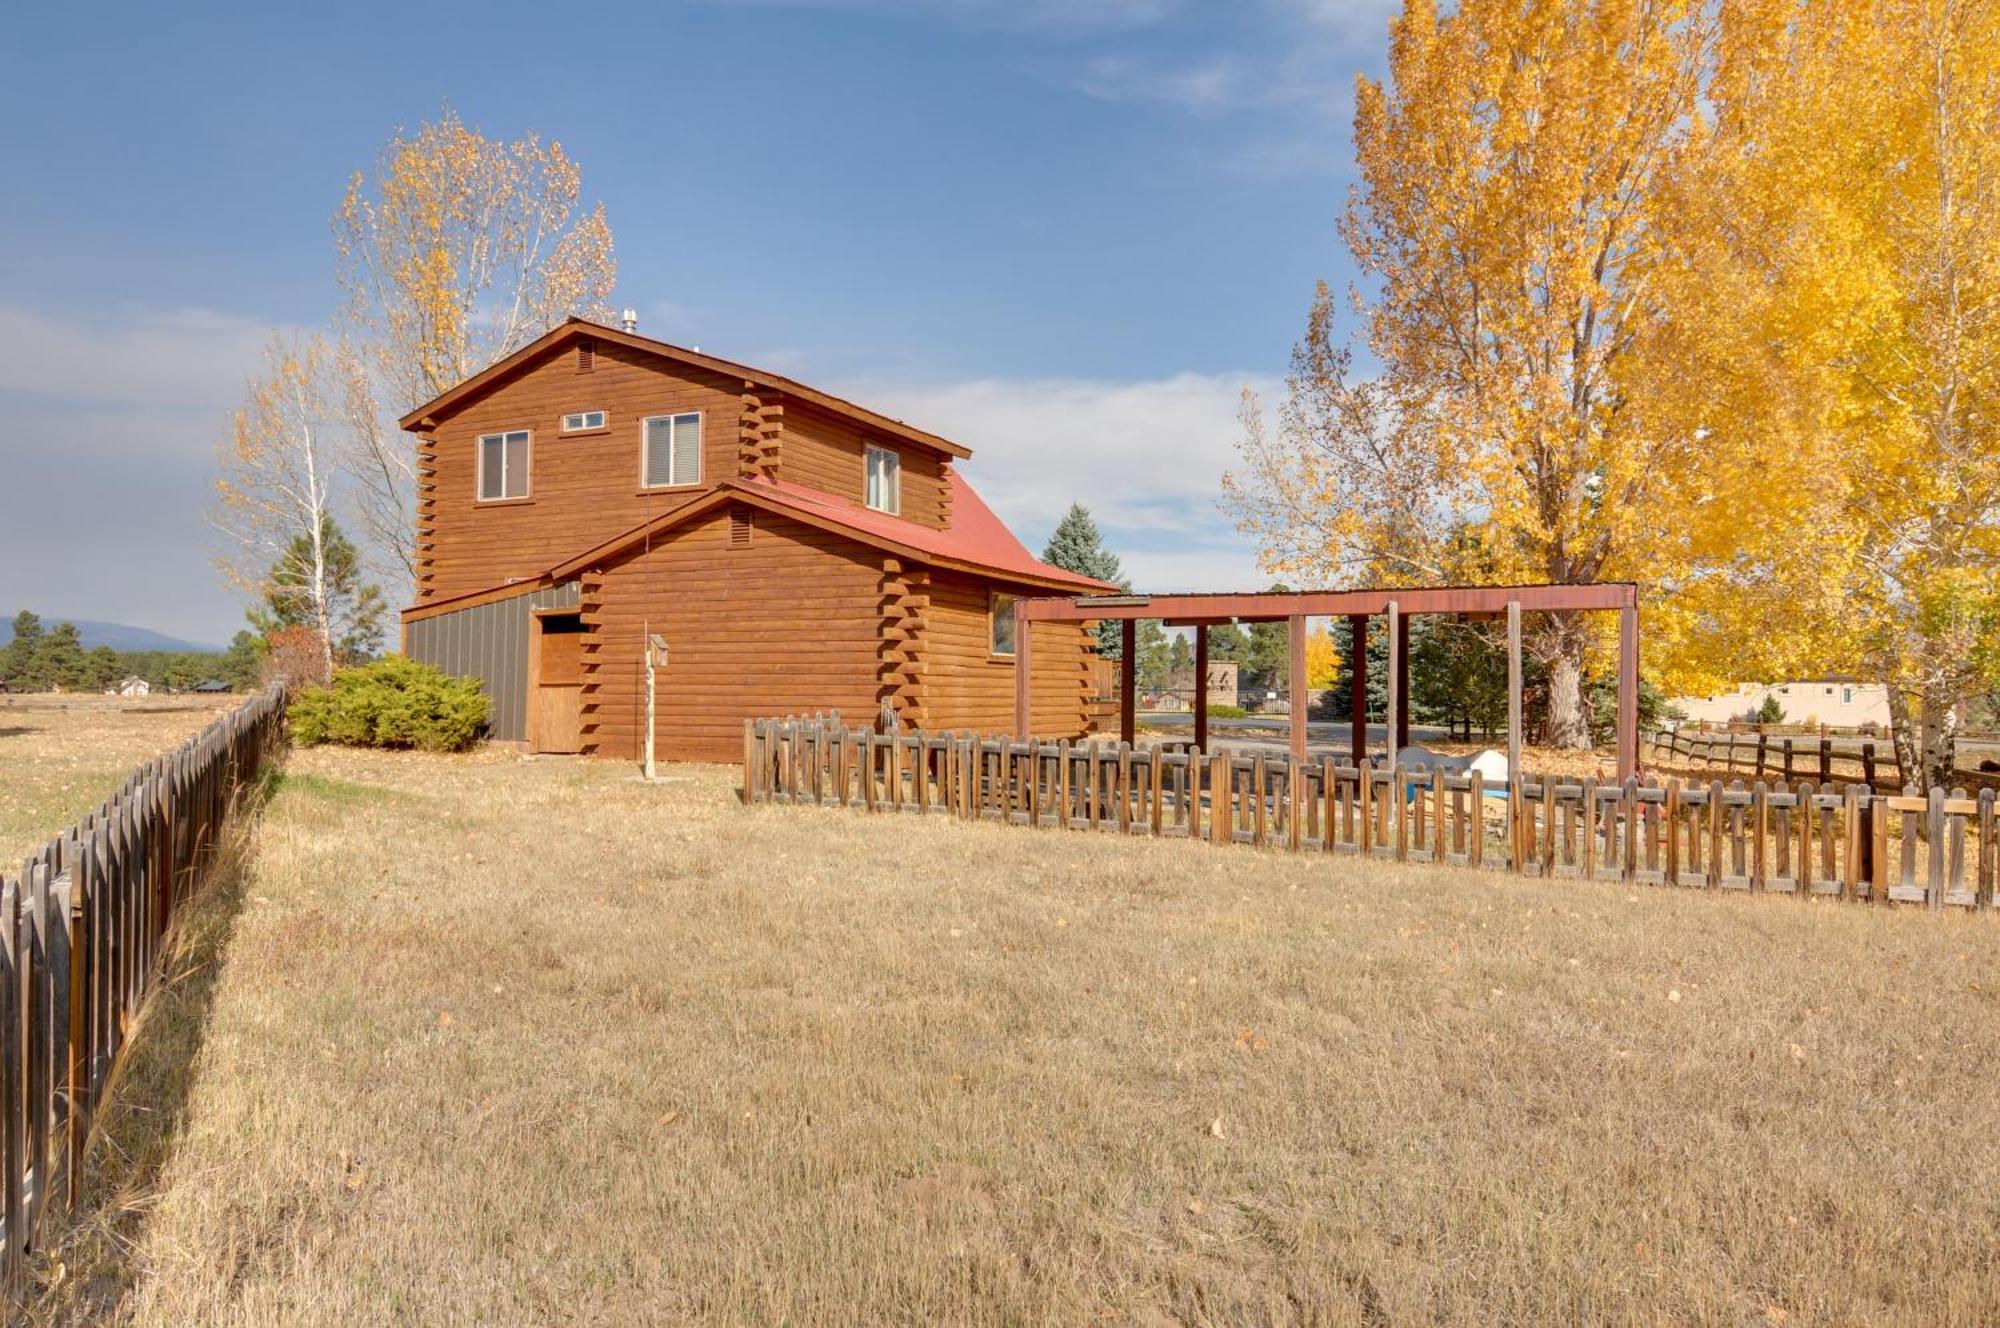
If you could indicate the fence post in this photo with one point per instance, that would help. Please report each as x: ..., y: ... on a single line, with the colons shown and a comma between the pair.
x: 1934, y: 886
x: 1221, y: 799
x: 1989, y: 853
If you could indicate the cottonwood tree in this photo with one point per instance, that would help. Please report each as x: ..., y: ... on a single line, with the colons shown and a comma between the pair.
x: 1504, y: 222
x: 275, y: 492
x: 1863, y: 156
x: 457, y: 250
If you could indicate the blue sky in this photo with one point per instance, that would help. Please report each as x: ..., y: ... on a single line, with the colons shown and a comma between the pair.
x: 1066, y: 233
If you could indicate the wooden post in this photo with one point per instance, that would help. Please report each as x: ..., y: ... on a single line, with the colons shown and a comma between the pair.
x: 1298, y: 682
x: 1628, y: 691
x: 1022, y: 696
x: 1401, y: 669
x: 1357, y: 669
x: 1201, y: 685
x: 1397, y: 638
x: 1128, y: 680
x: 1514, y: 689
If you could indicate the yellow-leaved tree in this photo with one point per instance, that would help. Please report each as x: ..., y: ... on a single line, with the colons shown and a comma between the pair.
x: 1506, y: 222
x: 457, y: 250
x: 1860, y: 166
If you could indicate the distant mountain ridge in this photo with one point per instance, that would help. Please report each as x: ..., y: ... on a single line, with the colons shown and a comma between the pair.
x: 119, y: 636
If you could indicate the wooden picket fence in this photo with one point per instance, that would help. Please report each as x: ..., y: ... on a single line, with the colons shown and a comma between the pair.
x: 81, y: 931
x: 1833, y: 840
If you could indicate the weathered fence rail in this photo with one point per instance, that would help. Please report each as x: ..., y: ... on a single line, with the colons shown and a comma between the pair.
x: 80, y: 941
x: 1756, y: 755
x: 1840, y: 840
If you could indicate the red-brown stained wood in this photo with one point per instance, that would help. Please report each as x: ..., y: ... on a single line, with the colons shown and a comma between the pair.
x: 763, y: 613
x: 585, y: 487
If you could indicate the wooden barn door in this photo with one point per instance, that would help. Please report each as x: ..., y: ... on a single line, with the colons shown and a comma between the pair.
x: 555, y: 693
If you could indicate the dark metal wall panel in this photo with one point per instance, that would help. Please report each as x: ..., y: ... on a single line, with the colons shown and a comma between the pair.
x: 490, y: 642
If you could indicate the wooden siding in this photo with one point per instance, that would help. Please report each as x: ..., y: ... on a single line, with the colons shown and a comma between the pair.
x: 789, y: 623
x: 969, y: 688
x: 490, y: 642
x: 583, y: 487
x: 826, y: 452
x: 800, y: 621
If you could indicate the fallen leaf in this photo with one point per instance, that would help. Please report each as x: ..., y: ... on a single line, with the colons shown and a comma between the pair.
x: 1197, y: 1207
x: 670, y: 1117
x: 1674, y: 997
x: 444, y: 1019
x: 1215, y: 1127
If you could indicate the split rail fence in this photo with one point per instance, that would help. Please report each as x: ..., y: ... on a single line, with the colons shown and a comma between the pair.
x: 1789, y: 759
x: 1834, y: 840
x: 81, y: 931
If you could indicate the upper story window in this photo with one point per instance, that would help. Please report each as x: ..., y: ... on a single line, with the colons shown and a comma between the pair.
x: 578, y: 421
x: 503, y: 466
x: 885, y: 480
x: 672, y: 450
x: 1000, y: 611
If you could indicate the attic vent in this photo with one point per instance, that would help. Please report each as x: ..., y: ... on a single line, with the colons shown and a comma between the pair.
x: 739, y: 527
x: 586, y: 356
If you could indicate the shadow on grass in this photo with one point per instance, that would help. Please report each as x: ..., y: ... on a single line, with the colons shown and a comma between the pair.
x: 86, y: 1263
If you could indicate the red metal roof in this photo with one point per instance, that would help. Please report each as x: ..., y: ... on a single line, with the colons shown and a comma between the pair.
x: 976, y: 537
x: 977, y: 541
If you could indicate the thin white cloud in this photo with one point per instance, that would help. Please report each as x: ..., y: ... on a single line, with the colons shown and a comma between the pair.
x: 1145, y: 457
x: 172, y: 359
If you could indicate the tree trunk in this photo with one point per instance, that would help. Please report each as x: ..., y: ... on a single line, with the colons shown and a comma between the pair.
x: 1569, y: 708
x: 1940, y: 740
x: 1903, y: 737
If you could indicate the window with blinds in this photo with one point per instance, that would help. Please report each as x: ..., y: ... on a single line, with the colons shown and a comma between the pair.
x: 503, y: 466
x: 885, y: 480
x: 673, y: 450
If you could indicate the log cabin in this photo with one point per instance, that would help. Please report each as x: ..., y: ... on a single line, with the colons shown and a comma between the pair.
x: 794, y: 552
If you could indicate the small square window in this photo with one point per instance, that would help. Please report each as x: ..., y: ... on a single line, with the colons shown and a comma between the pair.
x: 503, y: 466
x: 577, y: 421
x: 885, y: 480
x: 672, y: 450
x: 1001, y: 611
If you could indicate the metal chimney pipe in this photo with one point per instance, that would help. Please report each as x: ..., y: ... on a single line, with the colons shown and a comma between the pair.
x: 630, y: 319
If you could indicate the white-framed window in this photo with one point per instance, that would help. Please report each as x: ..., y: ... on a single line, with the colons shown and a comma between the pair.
x: 671, y: 454
x: 885, y: 480
x: 503, y: 466
x: 579, y: 420
x: 1000, y: 614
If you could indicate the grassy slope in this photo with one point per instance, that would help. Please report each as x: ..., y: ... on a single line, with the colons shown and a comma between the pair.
x: 499, y: 1041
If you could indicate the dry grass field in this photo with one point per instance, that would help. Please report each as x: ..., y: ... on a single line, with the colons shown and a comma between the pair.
x: 62, y: 755
x: 495, y: 1040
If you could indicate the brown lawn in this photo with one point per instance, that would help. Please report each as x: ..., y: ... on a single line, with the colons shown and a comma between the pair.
x: 507, y: 1041
x: 62, y: 755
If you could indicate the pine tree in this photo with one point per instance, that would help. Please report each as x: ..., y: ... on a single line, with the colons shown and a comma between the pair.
x: 354, y: 610
x: 1077, y: 546
x: 59, y: 659
x: 17, y: 660
x: 105, y: 668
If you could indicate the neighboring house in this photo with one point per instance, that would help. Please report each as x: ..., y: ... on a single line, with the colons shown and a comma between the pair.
x: 134, y: 686
x: 1837, y: 702
x: 211, y: 686
x: 796, y: 553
